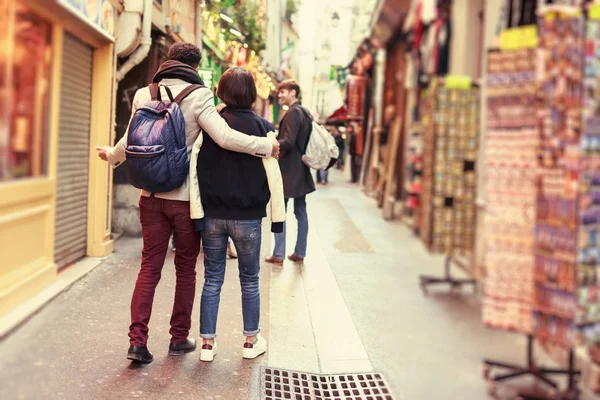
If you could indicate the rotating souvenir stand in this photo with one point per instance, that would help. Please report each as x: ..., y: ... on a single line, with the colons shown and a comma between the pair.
x: 510, y: 154
x: 511, y: 148
x: 451, y: 128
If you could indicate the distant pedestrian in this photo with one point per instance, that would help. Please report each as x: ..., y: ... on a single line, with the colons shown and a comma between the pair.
x: 341, y: 144
x: 235, y: 190
x: 295, y: 128
x: 353, y: 151
x: 322, y: 177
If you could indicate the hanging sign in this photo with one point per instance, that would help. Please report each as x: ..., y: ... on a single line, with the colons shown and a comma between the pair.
x: 356, y: 91
x: 461, y: 82
x: 524, y: 37
x: 594, y: 12
x: 100, y: 14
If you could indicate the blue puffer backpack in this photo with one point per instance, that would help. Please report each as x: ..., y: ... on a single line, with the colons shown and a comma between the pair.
x: 157, y: 158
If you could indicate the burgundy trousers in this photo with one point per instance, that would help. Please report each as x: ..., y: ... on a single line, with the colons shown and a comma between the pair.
x: 159, y: 218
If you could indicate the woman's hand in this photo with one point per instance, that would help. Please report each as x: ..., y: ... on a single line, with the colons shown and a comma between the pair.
x: 275, y: 151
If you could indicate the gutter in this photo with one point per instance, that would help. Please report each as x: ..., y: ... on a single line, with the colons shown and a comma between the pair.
x: 146, y: 41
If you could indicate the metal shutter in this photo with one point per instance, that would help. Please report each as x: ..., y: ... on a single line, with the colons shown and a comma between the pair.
x: 73, y: 153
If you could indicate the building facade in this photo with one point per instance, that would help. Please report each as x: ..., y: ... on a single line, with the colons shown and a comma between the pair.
x: 171, y: 21
x: 325, y: 48
x: 57, y: 69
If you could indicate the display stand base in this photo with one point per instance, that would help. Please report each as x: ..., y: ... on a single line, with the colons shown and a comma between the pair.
x: 455, y: 284
x: 539, y: 373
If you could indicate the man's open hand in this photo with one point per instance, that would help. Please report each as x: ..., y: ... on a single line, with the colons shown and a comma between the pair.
x: 103, y: 151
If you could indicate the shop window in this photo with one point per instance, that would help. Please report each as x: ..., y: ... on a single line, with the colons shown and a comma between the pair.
x: 25, y: 67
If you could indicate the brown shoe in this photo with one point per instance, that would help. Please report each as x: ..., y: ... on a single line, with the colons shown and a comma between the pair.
x: 295, y: 258
x: 274, y: 260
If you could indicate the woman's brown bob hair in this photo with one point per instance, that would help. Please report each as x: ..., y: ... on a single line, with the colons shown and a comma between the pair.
x: 237, y: 88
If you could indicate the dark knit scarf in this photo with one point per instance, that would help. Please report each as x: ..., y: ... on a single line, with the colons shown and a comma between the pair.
x: 172, y: 69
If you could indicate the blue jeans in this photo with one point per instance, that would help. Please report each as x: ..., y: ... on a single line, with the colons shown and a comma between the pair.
x: 246, y: 236
x: 322, y: 176
x: 302, y: 218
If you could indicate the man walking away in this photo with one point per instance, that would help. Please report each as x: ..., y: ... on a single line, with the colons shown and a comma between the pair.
x: 294, y: 131
x: 354, y: 160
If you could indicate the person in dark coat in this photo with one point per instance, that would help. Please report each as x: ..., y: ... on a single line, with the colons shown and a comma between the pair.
x: 294, y: 131
x: 354, y: 160
x: 340, y: 142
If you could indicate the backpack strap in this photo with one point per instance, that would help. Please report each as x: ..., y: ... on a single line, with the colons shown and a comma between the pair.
x: 153, y: 91
x: 185, y: 92
x: 310, y: 121
x: 168, y: 93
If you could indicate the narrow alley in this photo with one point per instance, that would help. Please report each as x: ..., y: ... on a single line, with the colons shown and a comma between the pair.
x: 354, y: 306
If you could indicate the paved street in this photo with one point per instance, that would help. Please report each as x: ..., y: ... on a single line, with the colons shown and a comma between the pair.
x: 354, y: 306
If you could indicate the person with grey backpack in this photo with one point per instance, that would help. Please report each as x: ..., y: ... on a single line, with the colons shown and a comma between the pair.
x: 303, y: 146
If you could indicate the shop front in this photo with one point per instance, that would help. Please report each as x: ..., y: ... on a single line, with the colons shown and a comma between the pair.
x: 57, y: 81
x: 212, y: 65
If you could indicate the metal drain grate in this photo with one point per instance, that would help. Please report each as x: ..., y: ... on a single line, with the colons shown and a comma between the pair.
x: 280, y: 384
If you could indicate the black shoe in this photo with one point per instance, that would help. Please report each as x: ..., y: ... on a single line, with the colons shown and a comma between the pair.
x: 179, y: 349
x: 140, y: 354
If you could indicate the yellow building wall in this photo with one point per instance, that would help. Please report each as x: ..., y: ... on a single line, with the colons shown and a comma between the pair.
x: 27, y: 207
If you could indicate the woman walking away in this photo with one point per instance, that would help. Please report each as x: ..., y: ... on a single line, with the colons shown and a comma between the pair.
x: 235, y: 190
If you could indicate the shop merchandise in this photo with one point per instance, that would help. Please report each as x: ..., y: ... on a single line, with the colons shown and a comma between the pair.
x: 427, y: 109
x: 413, y: 183
x: 559, y: 84
x: 449, y: 184
x: 428, y: 30
x: 568, y: 216
x: 511, y: 145
x: 587, y: 316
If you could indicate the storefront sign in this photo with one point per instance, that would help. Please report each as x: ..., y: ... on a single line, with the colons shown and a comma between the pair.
x: 342, y: 74
x: 207, y: 76
x: 461, y: 82
x: 101, y: 14
x: 212, y: 36
x: 183, y: 15
x: 263, y: 87
x: 525, y: 37
x: 356, y: 88
x: 594, y: 12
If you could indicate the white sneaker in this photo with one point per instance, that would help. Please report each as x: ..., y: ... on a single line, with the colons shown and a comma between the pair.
x: 208, y: 352
x: 253, y: 350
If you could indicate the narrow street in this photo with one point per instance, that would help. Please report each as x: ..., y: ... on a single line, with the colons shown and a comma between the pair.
x: 355, y: 306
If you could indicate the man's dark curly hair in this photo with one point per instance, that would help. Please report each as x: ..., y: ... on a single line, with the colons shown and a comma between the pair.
x: 186, y: 53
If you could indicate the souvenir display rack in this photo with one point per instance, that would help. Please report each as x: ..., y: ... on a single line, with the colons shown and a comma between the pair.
x: 510, y: 153
x: 427, y: 111
x: 413, y: 182
x: 449, y: 178
x: 564, y: 246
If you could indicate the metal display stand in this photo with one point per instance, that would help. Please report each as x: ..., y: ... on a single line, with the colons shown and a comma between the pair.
x: 540, y: 373
x: 455, y: 283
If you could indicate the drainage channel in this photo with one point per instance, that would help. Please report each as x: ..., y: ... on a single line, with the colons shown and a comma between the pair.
x: 281, y: 384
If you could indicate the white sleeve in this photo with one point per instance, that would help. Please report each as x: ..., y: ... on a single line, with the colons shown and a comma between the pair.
x: 215, y: 126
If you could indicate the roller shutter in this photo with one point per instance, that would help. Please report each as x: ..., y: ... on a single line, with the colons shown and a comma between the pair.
x: 73, y: 153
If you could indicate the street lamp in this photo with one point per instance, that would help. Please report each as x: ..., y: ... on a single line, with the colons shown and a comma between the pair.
x: 335, y: 19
